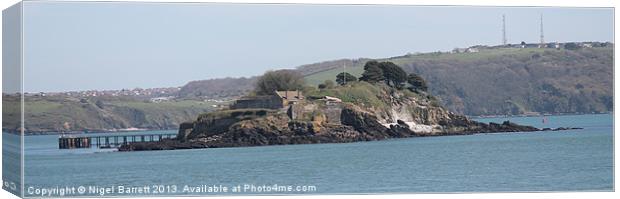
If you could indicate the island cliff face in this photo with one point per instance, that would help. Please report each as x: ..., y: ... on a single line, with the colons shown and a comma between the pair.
x: 387, y: 113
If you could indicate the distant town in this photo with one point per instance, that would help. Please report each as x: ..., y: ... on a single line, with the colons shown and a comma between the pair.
x: 136, y: 92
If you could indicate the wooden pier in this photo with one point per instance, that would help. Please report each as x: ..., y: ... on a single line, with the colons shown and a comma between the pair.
x: 108, y: 141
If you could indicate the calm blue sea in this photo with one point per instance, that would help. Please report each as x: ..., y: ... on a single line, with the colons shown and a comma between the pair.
x: 576, y: 160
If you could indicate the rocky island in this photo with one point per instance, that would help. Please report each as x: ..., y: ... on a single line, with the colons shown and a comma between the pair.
x: 384, y: 103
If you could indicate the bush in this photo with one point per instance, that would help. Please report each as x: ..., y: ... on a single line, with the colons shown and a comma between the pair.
x: 279, y: 80
x: 417, y: 83
x: 571, y: 46
x: 344, y: 78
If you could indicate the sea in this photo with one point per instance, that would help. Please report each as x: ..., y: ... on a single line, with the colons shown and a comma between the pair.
x: 553, y: 161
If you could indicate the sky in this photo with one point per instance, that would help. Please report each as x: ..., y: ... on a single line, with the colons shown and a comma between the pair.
x: 113, y: 45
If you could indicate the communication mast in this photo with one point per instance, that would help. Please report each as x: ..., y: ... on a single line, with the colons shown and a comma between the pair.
x: 344, y: 70
x: 542, y: 35
x: 504, y: 41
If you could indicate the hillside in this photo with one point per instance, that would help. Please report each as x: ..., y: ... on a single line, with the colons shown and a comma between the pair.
x: 54, y: 114
x: 508, y: 81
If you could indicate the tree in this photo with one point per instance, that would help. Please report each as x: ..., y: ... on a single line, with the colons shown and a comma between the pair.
x: 394, y: 74
x: 571, y: 46
x: 417, y: 83
x: 328, y: 84
x: 372, y: 72
x: 279, y: 80
x: 344, y: 78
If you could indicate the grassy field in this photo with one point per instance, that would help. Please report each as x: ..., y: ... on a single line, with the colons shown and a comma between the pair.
x: 358, y: 69
x: 361, y: 93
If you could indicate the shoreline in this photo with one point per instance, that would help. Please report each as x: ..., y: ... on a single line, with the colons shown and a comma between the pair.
x: 174, y: 144
x: 387, y: 139
x: 541, y: 115
x: 36, y: 133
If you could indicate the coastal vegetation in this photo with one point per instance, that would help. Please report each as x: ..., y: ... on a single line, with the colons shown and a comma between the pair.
x: 279, y: 80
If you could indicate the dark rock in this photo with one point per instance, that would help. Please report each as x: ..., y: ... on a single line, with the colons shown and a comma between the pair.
x: 302, y: 128
x: 357, y: 125
x: 184, y: 130
x: 254, y: 127
x: 363, y: 122
x: 277, y: 130
x: 165, y: 144
x: 402, y: 123
x: 400, y: 131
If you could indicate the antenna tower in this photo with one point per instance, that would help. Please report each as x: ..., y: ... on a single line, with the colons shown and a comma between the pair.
x: 504, y: 41
x: 542, y: 35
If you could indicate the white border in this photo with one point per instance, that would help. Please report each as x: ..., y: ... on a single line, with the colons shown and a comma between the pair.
x: 556, y: 3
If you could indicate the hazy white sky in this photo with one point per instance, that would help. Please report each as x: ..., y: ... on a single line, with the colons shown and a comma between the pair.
x: 114, y: 45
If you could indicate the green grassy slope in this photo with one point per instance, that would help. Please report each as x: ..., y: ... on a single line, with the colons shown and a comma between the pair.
x: 358, y: 68
x: 50, y: 114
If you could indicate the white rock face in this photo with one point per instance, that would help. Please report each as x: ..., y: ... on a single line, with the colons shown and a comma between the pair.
x: 403, y: 111
x: 418, y: 128
x: 402, y: 114
x: 422, y: 128
x: 419, y: 113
